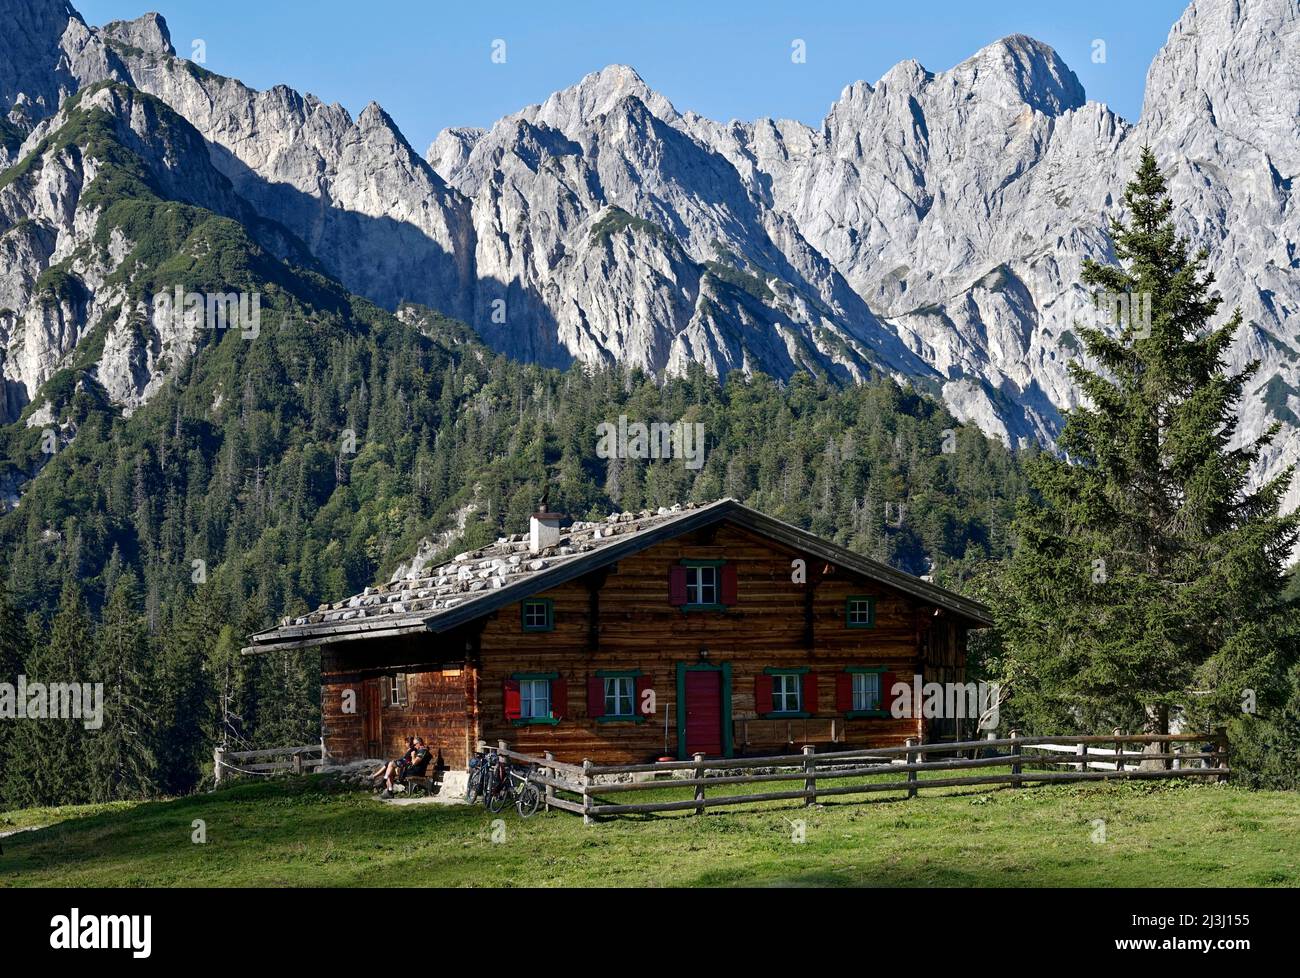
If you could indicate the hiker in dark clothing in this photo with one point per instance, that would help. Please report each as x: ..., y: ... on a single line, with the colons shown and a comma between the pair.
x: 418, y: 764
x: 397, y: 765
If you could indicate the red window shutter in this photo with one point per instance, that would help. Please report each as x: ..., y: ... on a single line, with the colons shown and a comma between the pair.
x: 887, y: 681
x: 511, y: 697
x: 763, y: 694
x: 643, y: 683
x: 728, y: 584
x: 677, y: 585
x: 559, y: 698
x: 595, y: 696
x: 844, y: 692
x: 810, y: 692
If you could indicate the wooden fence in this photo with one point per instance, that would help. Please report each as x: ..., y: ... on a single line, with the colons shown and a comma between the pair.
x: 295, y: 760
x: 1028, y: 759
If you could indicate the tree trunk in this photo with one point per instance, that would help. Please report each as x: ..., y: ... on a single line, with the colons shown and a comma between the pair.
x: 1157, y: 723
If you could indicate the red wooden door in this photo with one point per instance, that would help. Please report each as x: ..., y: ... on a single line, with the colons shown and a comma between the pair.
x: 703, y: 712
x: 372, y: 720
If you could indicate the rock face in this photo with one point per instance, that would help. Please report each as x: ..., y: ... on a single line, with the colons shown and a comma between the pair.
x: 606, y: 231
x: 64, y: 273
x: 372, y: 211
x: 932, y: 228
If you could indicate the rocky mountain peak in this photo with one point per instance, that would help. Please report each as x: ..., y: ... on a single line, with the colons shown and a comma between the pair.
x: 596, y: 94
x: 1020, y: 69
x: 147, y: 33
x: 933, y: 227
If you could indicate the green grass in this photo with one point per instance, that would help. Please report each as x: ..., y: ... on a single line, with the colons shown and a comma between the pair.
x: 311, y: 832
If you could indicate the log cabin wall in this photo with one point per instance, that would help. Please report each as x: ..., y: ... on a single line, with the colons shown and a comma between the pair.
x: 621, y: 618
x: 435, y: 698
x: 943, y: 641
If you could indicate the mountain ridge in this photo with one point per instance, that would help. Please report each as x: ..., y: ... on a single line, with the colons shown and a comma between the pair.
x: 932, y: 229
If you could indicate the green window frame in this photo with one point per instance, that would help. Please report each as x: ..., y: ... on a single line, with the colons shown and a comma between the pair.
x: 792, y: 676
x: 537, y: 614
x: 880, y: 709
x: 703, y: 588
x: 535, y: 682
x: 620, y: 697
x: 866, y: 692
x: 625, y: 678
x: 860, y: 611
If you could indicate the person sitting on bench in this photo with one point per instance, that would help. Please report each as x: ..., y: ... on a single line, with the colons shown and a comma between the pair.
x: 395, y: 766
x: 419, y: 763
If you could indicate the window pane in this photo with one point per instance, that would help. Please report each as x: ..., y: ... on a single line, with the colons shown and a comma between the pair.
x: 534, y: 698
x: 785, y: 692
x: 702, y: 585
x: 536, y: 614
x: 619, y: 696
x: 866, y: 691
x: 708, y: 585
x: 859, y: 611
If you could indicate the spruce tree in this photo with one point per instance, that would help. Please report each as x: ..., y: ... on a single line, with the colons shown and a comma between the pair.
x: 1148, y: 574
x: 13, y: 654
x: 184, y: 694
x: 121, y: 752
x: 47, y: 763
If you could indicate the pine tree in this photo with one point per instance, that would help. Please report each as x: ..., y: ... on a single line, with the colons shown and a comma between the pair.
x: 47, y: 763
x: 13, y: 653
x: 1147, y: 574
x: 121, y: 754
x: 183, y: 693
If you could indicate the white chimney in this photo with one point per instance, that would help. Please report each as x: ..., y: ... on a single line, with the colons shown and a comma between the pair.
x: 543, y: 531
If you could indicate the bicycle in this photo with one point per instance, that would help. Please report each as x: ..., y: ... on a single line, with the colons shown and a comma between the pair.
x: 479, y: 767
x: 513, y: 784
x: 529, y: 795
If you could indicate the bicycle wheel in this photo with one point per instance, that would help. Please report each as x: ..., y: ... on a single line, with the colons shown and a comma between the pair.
x: 499, y: 797
x: 530, y: 798
x: 474, y: 784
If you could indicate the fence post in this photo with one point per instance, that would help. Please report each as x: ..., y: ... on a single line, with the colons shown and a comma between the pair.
x: 586, y: 791
x: 1119, y: 750
x: 1015, y: 763
x: 699, y: 788
x: 911, y: 759
x: 550, y: 773
x: 810, y: 779
x: 218, y: 758
x: 1221, y: 748
x: 1081, y: 751
x: 297, y: 763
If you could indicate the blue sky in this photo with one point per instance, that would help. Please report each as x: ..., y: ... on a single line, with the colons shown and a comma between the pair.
x: 430, y: 65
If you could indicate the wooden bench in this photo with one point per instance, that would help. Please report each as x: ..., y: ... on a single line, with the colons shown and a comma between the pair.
x: 417, y: 783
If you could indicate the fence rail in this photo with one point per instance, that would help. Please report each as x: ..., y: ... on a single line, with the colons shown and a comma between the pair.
x: 296, y: 760
x: 1159, y: 758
